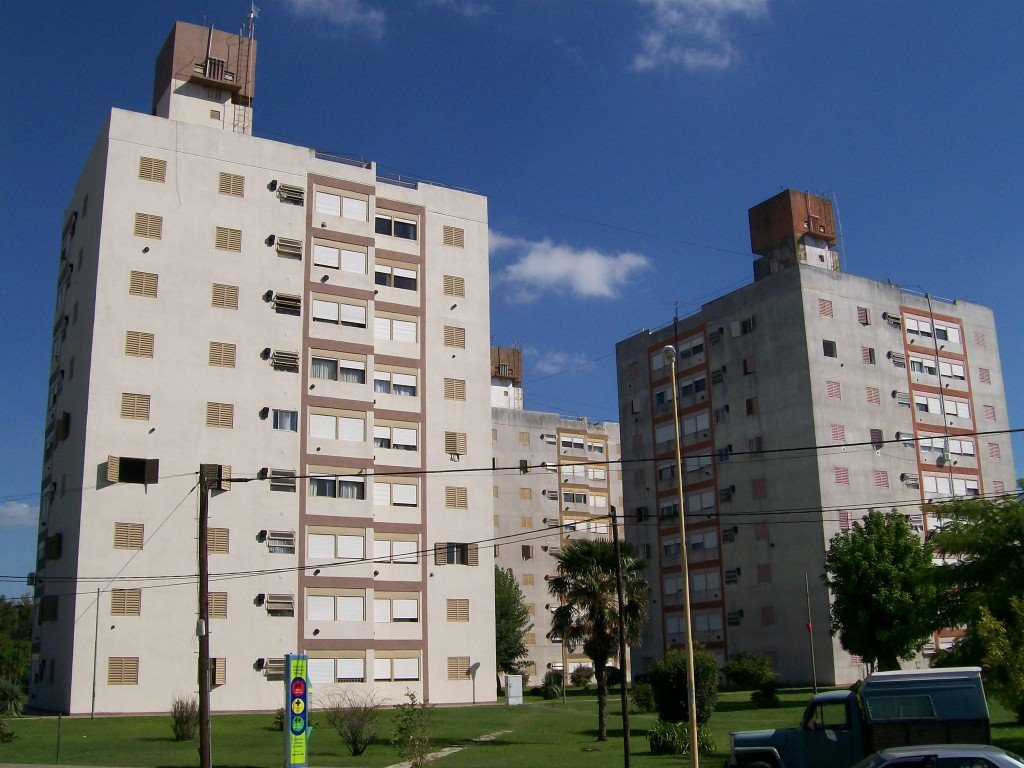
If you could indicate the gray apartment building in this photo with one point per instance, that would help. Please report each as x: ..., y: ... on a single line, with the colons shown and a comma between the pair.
x: 805, y: 398
x: 556, y: 479
x: 318, y: 330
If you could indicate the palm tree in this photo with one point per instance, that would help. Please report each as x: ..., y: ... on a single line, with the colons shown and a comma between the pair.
x: 588, y: 615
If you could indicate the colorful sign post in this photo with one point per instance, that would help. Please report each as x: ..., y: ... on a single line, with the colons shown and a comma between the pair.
x: 296, y: 710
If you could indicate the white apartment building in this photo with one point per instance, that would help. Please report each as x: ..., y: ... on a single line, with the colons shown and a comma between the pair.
x: 318, y: 330
x: 806, y: 398
x: 555, y: 479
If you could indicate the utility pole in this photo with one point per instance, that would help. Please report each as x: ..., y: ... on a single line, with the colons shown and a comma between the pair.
x: 622, y: 641
x: 810, y: 633
x: 209, y: 476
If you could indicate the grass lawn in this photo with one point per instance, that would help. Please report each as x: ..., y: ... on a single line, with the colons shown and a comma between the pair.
x: 539, y: 733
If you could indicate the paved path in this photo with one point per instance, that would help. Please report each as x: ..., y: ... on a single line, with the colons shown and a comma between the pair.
x: 433, y: 755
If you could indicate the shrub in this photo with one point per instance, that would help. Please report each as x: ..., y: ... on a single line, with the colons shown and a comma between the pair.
x: 412, y: 730
x: 766, y: 695
x: 674, y: 739
x: 613, y: 676
x: 184, y: 717
x: 278, y: 724
x: 12, y: 697
x: 551, y: 688
x: 354, y: 716
x: 668, y: 679
x: 581, y: 676
x: 6, y: 734
x: 748, y: 671
x: 641, y: 696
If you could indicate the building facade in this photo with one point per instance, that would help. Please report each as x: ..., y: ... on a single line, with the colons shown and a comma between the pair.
x: 806, y: 398
x: 321, y: 333
x: 556, y: 479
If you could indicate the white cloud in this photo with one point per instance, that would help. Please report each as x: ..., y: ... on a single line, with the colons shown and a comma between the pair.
x: 542, y: 266
x: 350, y: 14
x: 691, y: 33
x: 18, y: 514
x: 468, y: 8
x: 549, y: 362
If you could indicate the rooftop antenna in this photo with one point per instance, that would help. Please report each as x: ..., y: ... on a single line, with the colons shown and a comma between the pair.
x: 839, y: 229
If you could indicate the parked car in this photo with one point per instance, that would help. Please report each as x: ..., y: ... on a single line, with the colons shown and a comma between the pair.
x: 942, y: 756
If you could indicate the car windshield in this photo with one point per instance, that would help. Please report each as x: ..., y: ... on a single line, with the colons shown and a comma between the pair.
x: 1016, y: 759
x: 871, y: 762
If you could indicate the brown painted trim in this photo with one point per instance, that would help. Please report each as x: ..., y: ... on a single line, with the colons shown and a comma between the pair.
x: 338, y: 462
x: 399, y: 207
x: 337, y: 403
x: 350, y: 582
x: 401, y: 309
x: 398, y: 362
x: 923, y: 314
x: 381, y: 414
x: 334, y: 345
x: 321, y: 233
x: 345, y: 291
x: 365, y: 644
x: 340, y: 184
x: 928, y: 389
x: 408, y: 258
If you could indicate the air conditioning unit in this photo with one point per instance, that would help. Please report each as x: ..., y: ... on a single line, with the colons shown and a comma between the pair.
x: 289, y: 247
x: 290, y: 193
x: 280, y: 604
x: 284, y: 361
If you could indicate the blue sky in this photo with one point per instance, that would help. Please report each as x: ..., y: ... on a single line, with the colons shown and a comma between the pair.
x: 620, y: 143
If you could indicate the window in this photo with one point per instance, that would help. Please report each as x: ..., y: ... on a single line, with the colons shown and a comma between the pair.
x: 393, y: 226
x: 759, y: 487
x: 123, y: 469
x: 838, y: 433
x: 149, y: 225
x: 346, y: 546
x: 751, y: 406
x: 923, y: 365
x: 222, y: 354
x: 332, y: 426
x: 455, y: 553
x: 749, y: 366
x: 395, y: 668
x: 952, y: 370
x: 458, y: 667
x: 873, y: 396
x: 225, y: 296
x: 863, y: 315
x: 989, y: 412
x: 282, y: 480
x: 286, y: 421
x: 349, y: 315
x: 454, y: 286
x: 455, y: 443
x: 395, y: 383
x: 397, y: 494
x: 396, y: 438
x: 334, y: 257
x: 948, y: 333
x: 574, y: 498
x: 829, y: 348
x: 454, y: 337
x: 841, y: 475
x: 218, y: 605
x: 824, y: 308
x: 217, y: 540
x: 152, y: 169
x: 125, y: 602
x: 984, y: 376
x: 231, y: 184
x: 394, y: 277
x: 134, y: 406
x: 998, y: 487
x: 395, y: 328
x: 342, y: 206
x: 220, y: 415
x: 453, y: 236
x: 338, y: 487
x: 395, y: 551
x: 456, y: 497
x: 143, y: 284
x: 138, y: 344
x: 123, y: 670
x: 994, y: 452
x: 455, y: 389
x: 867, y: 355
x: 526, y: 522
x: 227, y: 239
x: 833, y: 390
x: 388, y: 610
x: 916, y: 327
x: 881, y: 478
x: 526, y: 551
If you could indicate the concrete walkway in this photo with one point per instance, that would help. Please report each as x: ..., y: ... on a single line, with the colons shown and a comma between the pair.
x: 434, y: 755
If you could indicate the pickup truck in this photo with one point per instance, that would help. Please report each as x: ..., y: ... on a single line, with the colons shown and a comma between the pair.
x: 838, y: 728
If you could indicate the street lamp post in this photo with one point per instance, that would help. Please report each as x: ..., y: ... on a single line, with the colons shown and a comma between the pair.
x: 691, y: 683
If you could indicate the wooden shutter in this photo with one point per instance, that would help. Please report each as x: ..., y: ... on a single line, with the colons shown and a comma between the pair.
x: 824, y: 307
x: 474, y: 554
x: 134, y: 406
x: 458, y: 667
x: 142, y: 284
x: 454, y: 337
x: 218, y: 671
x: 454, y: 236
x: 873, y: 396
x: 123, y: 670
x: 455, y: 443
x: 225, y: 296
x: 149, y: 225
x: 833, y: 390
x: 527, y: 554
x: 456, y: 497
x: 454, y: 389
x: 441, y: 553
x: 152, y: 169
x: 218, y: 605
x: 227, y: 239
x: 222, y: 354
x: 113, y: 468
x: 863, y: 316
x: 454, y: 286
x: 231, y: 184
x: 138, y: 344
x: 217, y: 540
x: 458, y: 609
x: 125, y: 602
x: 525, y: 494
x: 225, y: 478
x: 220, y: 415
x: 128, y: 535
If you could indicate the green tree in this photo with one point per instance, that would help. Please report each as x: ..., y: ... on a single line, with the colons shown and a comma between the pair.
x: 15, y: 638
x: 511, y: 622
x: 588, y: 615
x: 671, y: 685
x: 882, y: 604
